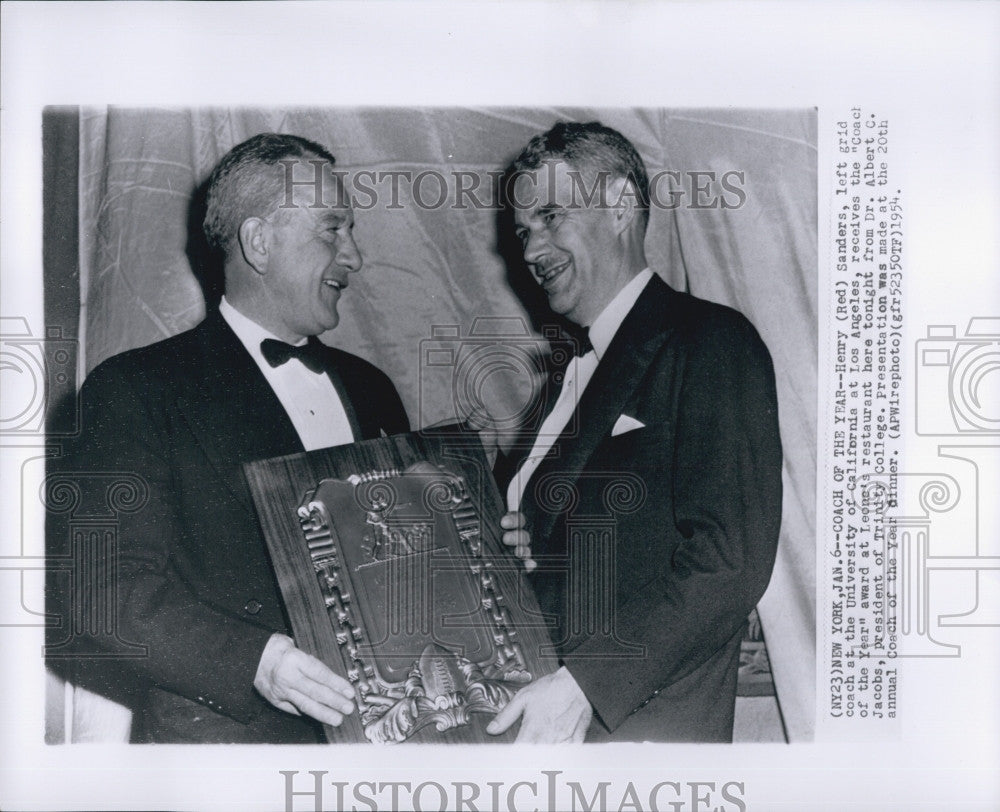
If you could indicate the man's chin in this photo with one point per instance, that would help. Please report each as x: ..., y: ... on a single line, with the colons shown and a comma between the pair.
x: 330, y: 321
x: 558, y: 305
x: 323, y: 327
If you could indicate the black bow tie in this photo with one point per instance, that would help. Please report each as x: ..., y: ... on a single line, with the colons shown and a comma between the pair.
x: 311, y: 353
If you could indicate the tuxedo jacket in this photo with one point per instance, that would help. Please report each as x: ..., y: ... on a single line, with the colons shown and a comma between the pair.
x: 654, y: 542
x: 191, y: 578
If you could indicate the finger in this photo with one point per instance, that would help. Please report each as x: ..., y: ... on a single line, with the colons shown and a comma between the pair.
x: 522, y: 552
x: 292, y: 683
x: 513, y: 538
x: 322, y: 693
x: 287, y: 707
x: 580, y: 733
x: 317, y: 671
x: 530, y: 565
x: 326, y: 696
x: 317, y: 710
x: 507, y: 716
x: 512, y: 520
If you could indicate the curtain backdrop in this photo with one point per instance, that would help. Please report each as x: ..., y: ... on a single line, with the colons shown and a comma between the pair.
x: 142, y: 279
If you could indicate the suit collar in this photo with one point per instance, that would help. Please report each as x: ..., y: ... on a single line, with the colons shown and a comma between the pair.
x: 230, y: 407
x: 629, y: 355
x: 234, y: 412
x: 607, y: 324
x: 249, y: 332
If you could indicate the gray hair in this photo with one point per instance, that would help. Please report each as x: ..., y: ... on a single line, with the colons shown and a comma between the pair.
x: 245, y: 183
x: 588, y: 147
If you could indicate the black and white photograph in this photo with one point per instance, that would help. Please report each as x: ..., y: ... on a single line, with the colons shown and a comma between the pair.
x: 411, y: 241
x: 591, y: 427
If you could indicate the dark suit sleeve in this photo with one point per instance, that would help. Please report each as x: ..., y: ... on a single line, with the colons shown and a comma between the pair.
x: 724, y: 470
x: 191, y: 647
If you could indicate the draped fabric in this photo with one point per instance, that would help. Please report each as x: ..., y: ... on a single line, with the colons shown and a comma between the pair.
x: 435, y: 258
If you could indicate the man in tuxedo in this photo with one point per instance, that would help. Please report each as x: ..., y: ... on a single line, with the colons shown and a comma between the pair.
x: 192, y: 583
x: 647, y: 510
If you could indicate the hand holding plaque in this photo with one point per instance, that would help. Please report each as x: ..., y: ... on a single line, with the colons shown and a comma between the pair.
x: 390, y: 562
x: 298, y: 683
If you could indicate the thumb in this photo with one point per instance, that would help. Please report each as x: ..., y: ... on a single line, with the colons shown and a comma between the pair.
x: 510, y: 714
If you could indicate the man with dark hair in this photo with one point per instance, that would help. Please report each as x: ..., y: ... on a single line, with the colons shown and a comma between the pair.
x: 194, y: 584
x: 675, y: 441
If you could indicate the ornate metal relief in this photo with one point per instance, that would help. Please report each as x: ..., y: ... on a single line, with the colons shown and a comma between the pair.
x: 420, y: 620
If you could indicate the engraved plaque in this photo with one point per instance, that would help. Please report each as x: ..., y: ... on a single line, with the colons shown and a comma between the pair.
x: 389, y: 560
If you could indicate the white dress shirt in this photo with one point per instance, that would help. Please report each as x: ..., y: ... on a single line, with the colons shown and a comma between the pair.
x: 309, y: 398
x: 578, y: 374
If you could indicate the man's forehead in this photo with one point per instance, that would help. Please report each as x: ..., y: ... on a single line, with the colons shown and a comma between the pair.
x: 551, y: 184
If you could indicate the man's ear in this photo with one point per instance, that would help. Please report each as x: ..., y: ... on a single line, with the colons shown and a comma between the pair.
x: 254, y: 239
x: 624, y: 201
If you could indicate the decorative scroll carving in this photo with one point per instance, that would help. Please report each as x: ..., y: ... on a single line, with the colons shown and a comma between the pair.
x: 442, y: 689
x: 439, y: 686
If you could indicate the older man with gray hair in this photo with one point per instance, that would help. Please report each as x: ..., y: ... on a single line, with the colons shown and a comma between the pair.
x: 192, y: 582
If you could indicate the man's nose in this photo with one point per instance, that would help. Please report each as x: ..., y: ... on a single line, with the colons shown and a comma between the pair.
x: 349, y: 255
x: 535, y: 248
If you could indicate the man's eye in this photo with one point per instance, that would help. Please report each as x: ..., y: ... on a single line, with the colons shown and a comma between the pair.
x: 550, y: 217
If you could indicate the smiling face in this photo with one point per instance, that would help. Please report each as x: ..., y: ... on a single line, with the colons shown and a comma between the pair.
x: 310, y: 254
x: 573, y: 250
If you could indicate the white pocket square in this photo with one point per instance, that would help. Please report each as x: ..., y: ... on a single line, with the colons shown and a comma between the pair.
x: 626, y: 423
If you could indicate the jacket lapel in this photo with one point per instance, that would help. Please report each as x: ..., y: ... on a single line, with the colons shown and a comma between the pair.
x: 351, y: 386
x: 231, y: 409
x: 346, y: 402
x: 620, y: 371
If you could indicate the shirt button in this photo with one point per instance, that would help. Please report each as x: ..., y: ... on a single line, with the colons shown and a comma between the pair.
x: 253, y: 606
